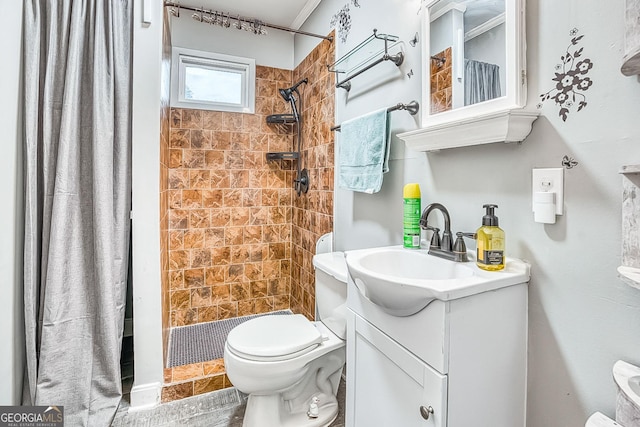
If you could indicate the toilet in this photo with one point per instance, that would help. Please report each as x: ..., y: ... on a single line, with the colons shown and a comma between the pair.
x: 289, y: 366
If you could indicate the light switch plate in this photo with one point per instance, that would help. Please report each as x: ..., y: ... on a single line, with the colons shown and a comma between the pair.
x: 549, y: 180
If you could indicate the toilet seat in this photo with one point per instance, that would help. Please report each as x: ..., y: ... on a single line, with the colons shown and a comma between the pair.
x: 274, y: 338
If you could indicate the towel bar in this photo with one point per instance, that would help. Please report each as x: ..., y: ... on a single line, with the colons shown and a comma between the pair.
x: 411, y: 107
x: 364, y: 57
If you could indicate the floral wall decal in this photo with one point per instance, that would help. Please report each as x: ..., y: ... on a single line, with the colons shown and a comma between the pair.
x: 569, y: 162
x: 342, y: 21
x: 356, y: 3
x: 571, y: 79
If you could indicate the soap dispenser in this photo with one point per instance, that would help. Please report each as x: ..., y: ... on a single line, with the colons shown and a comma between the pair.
x: 490, y: 242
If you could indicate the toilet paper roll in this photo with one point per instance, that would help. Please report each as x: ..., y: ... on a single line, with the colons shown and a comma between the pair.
x: 544, y: 207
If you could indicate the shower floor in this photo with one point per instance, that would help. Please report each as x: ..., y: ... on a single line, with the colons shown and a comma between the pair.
x: 204, y: 341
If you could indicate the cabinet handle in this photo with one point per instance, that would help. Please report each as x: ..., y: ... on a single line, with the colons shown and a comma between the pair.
x: 426, y: 412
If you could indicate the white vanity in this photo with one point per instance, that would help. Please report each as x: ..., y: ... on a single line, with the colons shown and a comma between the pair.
x: 431, y: 342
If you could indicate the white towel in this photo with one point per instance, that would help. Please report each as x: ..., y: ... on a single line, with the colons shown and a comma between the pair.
x: 363, y: 152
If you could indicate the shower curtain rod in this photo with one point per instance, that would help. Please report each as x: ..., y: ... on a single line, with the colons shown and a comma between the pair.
x: 247, y: 20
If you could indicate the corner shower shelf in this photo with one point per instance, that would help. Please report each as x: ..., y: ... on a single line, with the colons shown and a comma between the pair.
x: 365, y: 56
x: 282, y: 119
x: 283, y: 155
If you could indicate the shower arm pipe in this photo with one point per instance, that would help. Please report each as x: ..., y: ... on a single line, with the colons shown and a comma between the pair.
x: 249, y: 20
x: 301, y: 183
x: 411, y: 107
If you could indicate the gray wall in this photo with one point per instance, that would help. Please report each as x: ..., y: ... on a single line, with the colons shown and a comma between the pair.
x: 442, y: 34
x: 582, y: 318
x: 11, y: 228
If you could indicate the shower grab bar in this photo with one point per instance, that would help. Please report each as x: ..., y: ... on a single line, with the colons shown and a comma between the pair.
x: 411, y: 107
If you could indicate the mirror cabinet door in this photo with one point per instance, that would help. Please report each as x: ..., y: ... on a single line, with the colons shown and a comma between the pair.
x: 473, y: 75
x: 474, y: 56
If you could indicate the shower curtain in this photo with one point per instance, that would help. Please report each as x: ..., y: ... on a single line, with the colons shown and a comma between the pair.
x: 77, y: 96
x: 481, y: 81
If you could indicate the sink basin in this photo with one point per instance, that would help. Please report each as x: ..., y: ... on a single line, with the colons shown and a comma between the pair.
x: 412, y: 264
x: 404, y: 281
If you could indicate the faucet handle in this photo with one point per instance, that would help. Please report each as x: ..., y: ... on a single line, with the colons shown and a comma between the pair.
x: 435, y: 238
x: 467, y: 235
x: 459, y: 245
x: 459, y: 248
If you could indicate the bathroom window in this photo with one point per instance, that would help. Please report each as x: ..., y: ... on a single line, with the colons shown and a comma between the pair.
x: 212, y: 81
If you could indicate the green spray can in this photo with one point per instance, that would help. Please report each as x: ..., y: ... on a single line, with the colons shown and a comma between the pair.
x: 411, y: 217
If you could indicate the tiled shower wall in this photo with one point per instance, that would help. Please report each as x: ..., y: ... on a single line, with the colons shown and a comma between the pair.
x: 229, y: 210
x: 241, y: 241
x: 441, y: 82
x: 313, y: 212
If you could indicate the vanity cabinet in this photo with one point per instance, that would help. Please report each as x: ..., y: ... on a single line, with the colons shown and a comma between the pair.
x: 455, y: 363
x: 404, y: 387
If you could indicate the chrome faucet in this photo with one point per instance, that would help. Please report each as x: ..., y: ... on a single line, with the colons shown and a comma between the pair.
x: 445, y: 248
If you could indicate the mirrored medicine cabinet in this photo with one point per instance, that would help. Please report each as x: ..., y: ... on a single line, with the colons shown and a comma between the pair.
x: 473, y: 74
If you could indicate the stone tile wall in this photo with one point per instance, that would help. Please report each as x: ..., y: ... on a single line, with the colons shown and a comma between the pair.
x: 313, y: 212
x: 441, y: 82
x: 229, y: 221
x: 191, y: 380
x: 240, y: 240
x: 229, y: 210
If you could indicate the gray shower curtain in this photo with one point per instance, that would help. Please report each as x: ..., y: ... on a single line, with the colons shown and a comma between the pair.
x: 77, y: 56
x: 481, y: 81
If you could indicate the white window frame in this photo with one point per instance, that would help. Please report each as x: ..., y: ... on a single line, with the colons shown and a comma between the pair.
x: 246, y: 67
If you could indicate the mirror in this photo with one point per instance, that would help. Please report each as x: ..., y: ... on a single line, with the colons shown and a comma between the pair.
x: 467, y: 48
x: 474, y: 75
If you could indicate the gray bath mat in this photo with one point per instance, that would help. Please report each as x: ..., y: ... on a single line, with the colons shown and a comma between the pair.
x: 204, y: 341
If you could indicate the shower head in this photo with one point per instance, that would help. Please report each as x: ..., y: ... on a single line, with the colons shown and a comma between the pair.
x: 286, y: 93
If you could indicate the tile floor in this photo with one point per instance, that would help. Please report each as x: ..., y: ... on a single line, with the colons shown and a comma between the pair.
x: 223, y: 408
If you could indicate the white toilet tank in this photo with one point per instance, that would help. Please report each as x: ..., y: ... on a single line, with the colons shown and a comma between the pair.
x: 331, y: 291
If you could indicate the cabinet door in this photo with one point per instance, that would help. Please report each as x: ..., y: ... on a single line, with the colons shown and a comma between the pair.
x: 387, y: 386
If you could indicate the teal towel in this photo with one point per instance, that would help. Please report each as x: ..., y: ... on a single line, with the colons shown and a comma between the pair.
x: 363, y: 152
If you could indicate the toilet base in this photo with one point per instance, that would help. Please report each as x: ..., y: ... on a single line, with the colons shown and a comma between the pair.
x: 289, y: 407
x: 260, y: 412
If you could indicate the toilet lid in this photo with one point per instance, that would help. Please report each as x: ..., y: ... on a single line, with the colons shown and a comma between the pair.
x: 274, y: 337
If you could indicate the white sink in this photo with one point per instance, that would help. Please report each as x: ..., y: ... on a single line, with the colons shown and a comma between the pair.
x: 404, y: 281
